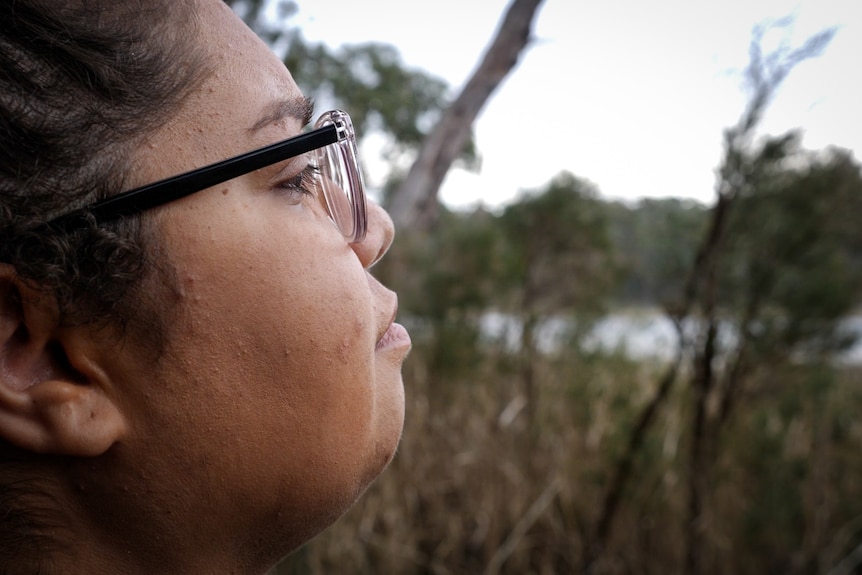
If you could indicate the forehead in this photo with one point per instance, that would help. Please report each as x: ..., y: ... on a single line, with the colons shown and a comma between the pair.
x: 244, y: 84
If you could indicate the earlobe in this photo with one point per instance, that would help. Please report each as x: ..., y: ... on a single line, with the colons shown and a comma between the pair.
x: 52, y: 398
x: 61, y: 418
x: 74, y: 419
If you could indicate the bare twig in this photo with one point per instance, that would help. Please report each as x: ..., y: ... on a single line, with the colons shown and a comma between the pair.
x: 520, y: 530
x: 849, y: 564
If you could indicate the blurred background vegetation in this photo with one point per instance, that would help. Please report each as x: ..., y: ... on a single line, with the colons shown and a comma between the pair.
x: 539, y: 438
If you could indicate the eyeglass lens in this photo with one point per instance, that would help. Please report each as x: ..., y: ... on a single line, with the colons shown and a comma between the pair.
x: 340, y: 178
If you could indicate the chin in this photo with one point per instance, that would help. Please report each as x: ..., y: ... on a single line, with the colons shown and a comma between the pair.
x: 383, y: 451
x: 393, y: 425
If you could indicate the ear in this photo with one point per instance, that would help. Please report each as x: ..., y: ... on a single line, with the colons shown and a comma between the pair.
x: 53, y: 397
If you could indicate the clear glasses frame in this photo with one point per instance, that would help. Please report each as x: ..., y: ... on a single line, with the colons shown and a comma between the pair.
x: 331, y: 146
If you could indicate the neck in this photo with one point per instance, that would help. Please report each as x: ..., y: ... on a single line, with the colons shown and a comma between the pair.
x: 45, y: 531
x: 57, y: 519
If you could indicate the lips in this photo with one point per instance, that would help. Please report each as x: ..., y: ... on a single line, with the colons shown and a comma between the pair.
x: 391, y: 335
x: 394, y: 337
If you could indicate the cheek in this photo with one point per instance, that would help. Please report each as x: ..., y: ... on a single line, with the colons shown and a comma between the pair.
x: 321, y: 316
x: 311, y: 324
x: 279, y: 330
x: 335, y: 359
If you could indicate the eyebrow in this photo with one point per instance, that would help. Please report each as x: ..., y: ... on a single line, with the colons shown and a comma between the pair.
x: 301, y: 109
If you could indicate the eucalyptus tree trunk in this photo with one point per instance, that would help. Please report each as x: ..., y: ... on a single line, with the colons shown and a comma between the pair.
x: 414, y: 203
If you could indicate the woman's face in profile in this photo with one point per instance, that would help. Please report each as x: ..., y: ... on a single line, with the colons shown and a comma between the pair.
x: 279, y: 395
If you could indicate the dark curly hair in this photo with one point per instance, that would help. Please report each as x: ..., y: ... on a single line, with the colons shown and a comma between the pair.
x: 81, y: 83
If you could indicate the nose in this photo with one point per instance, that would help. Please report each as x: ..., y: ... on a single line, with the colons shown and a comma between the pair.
x: 378, y: 237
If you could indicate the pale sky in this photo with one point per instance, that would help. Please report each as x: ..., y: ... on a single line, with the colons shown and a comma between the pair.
x: 629, y: 94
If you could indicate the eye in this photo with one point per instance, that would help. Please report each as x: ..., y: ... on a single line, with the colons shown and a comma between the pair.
x: 302, y: 184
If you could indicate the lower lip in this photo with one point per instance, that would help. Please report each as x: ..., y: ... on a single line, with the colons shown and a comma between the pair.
x: 395, y: 337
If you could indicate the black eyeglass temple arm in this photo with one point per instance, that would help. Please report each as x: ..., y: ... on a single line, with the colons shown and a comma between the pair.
x: 176, y: 187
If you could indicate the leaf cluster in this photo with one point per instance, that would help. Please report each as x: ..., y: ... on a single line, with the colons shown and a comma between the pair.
x: 558, y: 253
x: 791, y: 269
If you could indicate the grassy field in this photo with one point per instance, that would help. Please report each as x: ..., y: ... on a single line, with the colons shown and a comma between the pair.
x: 486, y: 483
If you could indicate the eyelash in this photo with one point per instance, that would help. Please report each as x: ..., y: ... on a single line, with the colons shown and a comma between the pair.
x: 305, y: 182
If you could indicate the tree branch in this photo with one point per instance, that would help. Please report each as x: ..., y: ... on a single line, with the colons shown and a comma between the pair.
x: 414, y: 204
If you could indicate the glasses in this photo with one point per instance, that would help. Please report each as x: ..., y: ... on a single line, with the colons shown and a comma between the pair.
x: 331, y: 147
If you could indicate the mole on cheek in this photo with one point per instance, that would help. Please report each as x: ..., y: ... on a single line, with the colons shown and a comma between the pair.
x: 347, y: 343
x: 187, y: 286
x: 344, y: 350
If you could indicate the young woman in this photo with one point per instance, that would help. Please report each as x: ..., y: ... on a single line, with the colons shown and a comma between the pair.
x: 197, y: 374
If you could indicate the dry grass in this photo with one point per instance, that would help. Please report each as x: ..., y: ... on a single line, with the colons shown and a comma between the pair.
x: 473, y: 490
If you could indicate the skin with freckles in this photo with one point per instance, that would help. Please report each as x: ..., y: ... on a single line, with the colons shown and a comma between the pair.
x: 278, y: 397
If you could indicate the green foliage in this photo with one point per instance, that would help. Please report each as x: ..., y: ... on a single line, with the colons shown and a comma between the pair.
x: 371, y: 81
x: 656, y: 239
x: 461, y: 264
x: 791, y: 268
x: 558, y: 257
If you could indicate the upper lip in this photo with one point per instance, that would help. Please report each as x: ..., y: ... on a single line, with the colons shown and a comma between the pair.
x: 387, y: 306
x: 388, y: 324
